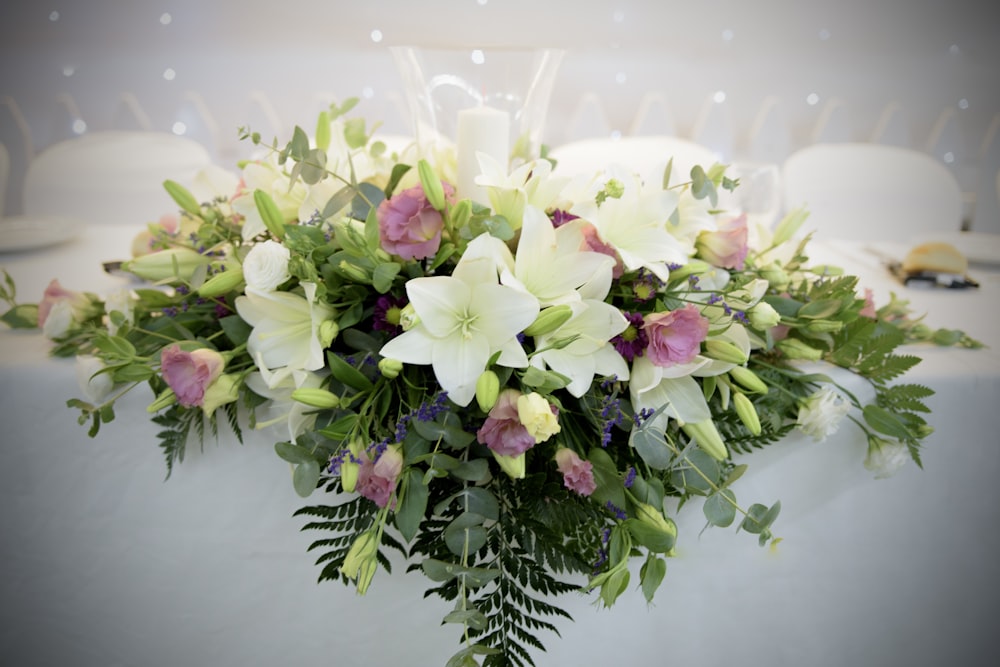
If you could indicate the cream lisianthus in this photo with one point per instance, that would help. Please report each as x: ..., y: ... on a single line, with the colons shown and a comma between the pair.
x: 588, y: 353
x: 119, y: 301
x: 635, y: 225
x: 464, y: 319
x: 266, y: 266
x: 537, y: 416
x: 286, y: 327
x: 821, y: 413
x: 95, y: 385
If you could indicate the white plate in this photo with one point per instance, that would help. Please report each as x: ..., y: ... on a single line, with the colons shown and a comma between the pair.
x: 978, y: 248
x: 29, y: 233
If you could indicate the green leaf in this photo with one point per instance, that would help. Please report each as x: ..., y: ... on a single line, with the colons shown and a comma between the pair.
x: 306, y: 477
x: 720, y: 509
x: 340, y: 200
x: 759, y: 518
x: 476, y: 470
x: 398, y: 171
x: 614, y: 586
x: 471, y: 617
x: 115, y: 347
x: 691, y: 475
x: 132, y: 373
x: 346, y: 373
x: 650, y: 442
x: 815, y: 310
x: 414, y: 503
x: 609, y: 485
x: 354, y: 132
x: 886, y: 422
x: 312, y: 168
x: 384, y: 274
x: 366, y: 200
x: 236, y: 329
x: 340, y: 429
x: 465, y: 535
x: 702, y: 186
x: 654, y: 539
x: 293, y: 453
x: 651, y: 575
x: 23, y: 316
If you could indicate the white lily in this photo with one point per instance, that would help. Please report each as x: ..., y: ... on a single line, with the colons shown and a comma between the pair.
x: 693, y: 217
x: 682, y: 396
x: 636, y: 226
x: 592, y: 325
x: 530, y: 184
x: 277, y: 387
x: 286, y: 327
x: 550, y: 263
x: 463, y: 320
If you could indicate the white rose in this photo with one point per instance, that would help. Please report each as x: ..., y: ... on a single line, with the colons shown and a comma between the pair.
x: 266, y: 266
x: 535, y: 414
x: 60, y: 320
x: 821, y: 414
x: 95, y: 387
x: 885, y: 457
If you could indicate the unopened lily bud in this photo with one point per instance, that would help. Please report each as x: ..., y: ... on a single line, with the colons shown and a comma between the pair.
x: 747, y: 379
x: 361, y: 554
x: 460, y: 213
x: 746, y: 412
x: 775, y: 276
x: 390, y: 368
x: 693, y: 266
x: 793, y: 348
x: 166, y: 398
x: 317, y: 398
x: 431, y: 185
x: 763, y: 316
x: 354, y: 272
x: 328, y: 330
x: 724, y: 351
x: 512, y: 465
x: 408, y: 317
x: 824, y: 326
x: 706, y: 435
x: 221, y: 283
x: 350, y: 467
x: 487, y: 390
x: 549, y: 319
x: 169, y: 264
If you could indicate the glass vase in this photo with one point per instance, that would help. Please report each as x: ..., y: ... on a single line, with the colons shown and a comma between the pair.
x: 491, y: 100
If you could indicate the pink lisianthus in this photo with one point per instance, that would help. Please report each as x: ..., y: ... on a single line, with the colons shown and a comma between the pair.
x: 869, y: 309
x: 675, y: 336
x: 60, y: 309
x: 189, y: 374
x: 592, y: 242
x: 726, y: 247
x: 578, y: 475
x: 503, y: 431
x: 377, y: 479
x: 409, y: 226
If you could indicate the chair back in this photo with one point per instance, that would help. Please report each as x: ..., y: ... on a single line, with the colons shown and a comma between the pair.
x: 112, y: 176
x: 646, y: 155
x: 871, y: 191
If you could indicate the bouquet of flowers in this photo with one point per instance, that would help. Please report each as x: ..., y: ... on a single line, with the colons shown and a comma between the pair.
x: 505, y: 392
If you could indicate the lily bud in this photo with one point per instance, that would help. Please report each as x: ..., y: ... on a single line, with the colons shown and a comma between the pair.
x: 328, y: 330
x: 692, y: 267
x: 460, y: 213
x: 775, y: 276
x: 512, y: 465
x: 707, y: 437
x: 724, y: 351
x: 746, y: 412
x: 221, y: 283
x: 431, y: 185
x: 354, y: 272
x: 317, y: 398
x: 169, y: 264
x: 793, y: 348
x: 360, y: 559
x: 487, y: 390
x: 747, y: 379
x: 349, y: 469
x: 166, y: 398
x: 390, y: 368
x: 824, y: 326
x: 549, y: 319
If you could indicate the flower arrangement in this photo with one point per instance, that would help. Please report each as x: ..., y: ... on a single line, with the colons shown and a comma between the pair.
x: 505, y: 392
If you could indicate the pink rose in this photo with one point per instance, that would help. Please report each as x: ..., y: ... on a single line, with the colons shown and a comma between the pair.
x: 503, y: 431
x: 675, y: 336
x: 189, y: 374
x: 409, y: 226
x: 377, y: 480
x: 869, y: 309
x: 578, y: 475
x: 727, y: 247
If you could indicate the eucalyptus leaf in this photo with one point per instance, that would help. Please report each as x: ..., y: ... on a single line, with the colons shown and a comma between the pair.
x: 305, y: 478
x: 651, y: 445
x: 293, y: 453
x: 464, y: 535
x: 720, y: 509
x: 474, y: 618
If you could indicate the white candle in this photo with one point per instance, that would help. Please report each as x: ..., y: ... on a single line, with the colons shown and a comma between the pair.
x: 480, y: 130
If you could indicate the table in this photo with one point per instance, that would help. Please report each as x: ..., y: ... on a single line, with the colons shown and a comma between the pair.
x: 105, y: 563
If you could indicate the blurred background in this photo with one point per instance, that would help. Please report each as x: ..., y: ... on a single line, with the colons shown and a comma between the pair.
x: 752, y: 80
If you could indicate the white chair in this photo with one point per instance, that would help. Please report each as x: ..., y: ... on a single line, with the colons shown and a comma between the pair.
x: 587, y: 120
x: 647, y: 156
x: 871, y: 192
x: 833, y: 124
x: 770, y: 138
x: 893, y: 127
x: 714, y: 127
x: 986, y: 215
x: 129, y: 114
x: 111, y: 176
x: 654, y: 117
x: 16, y: 136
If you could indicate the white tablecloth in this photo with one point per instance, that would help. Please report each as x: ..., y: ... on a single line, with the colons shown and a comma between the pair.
x: 104, y: 563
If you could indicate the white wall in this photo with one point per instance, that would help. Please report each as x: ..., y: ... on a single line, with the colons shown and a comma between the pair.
x: 927, y: 56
